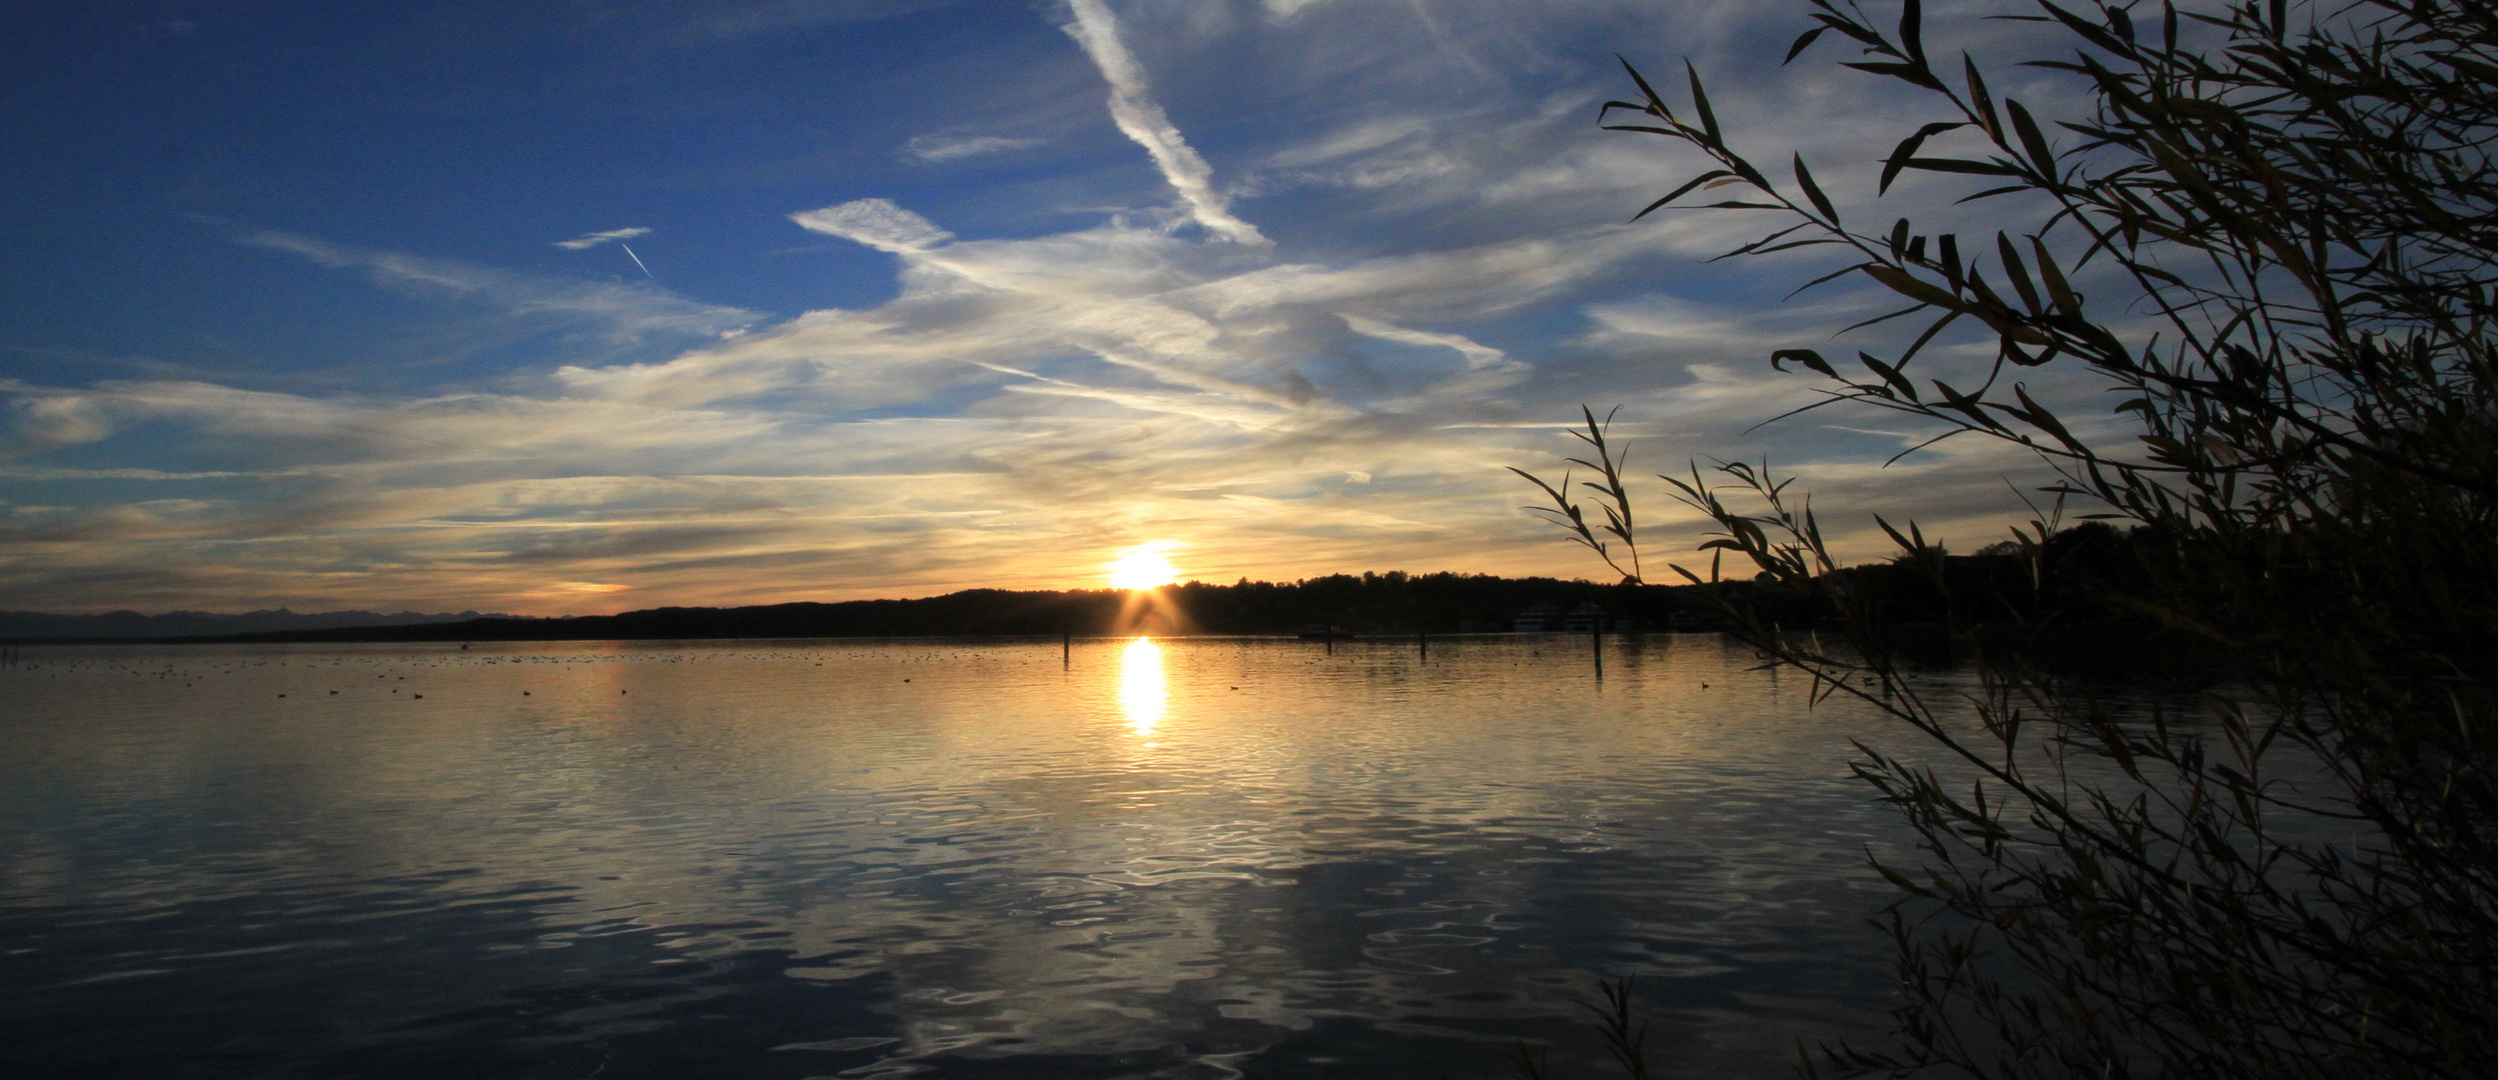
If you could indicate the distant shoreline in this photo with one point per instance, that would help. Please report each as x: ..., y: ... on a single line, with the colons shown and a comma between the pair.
x: 1369, y: 604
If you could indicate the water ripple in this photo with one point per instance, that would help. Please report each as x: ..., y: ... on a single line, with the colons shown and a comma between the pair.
x: 884, y: 858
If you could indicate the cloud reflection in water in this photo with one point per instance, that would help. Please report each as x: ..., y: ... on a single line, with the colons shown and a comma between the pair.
x: 782, y: 858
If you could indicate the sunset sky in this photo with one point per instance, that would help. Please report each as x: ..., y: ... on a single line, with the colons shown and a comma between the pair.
x: 576, y: 306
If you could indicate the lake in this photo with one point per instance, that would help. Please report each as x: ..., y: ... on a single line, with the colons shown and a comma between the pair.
x: 1188, y: 858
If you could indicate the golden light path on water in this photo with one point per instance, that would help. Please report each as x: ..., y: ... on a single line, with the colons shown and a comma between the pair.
x: 1143, y: 694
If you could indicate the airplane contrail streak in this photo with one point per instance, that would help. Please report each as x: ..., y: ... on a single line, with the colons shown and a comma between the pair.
x: 637, y: 260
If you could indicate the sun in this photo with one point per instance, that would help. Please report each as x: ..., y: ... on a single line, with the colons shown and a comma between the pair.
x: 1143, y: 567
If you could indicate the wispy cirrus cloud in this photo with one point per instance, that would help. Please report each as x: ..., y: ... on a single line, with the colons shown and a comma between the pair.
x: 1140, y: 117
x: 591, y: 240
x: 1449, y: 276
x: 934, y: 146
x: 621, y: 310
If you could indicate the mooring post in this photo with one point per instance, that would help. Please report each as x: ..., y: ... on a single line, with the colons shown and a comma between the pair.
x: 1423, y: 638
x: 1596, y: 643
x: 1066, y: 647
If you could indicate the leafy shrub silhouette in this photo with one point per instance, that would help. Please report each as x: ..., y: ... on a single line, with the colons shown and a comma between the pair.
x: 2296, y: 876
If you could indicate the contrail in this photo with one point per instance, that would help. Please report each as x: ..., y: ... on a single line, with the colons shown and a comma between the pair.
x: 1138, y: 116
x: 591, y: 240
x: 637, y: 260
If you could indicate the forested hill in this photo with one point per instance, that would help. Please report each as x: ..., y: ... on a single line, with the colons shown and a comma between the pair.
x: 2083, y: 566
x: 1393, y: 602
x: 133, y: 626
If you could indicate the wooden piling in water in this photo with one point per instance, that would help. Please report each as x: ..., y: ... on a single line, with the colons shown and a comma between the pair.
x: 1596, y: 644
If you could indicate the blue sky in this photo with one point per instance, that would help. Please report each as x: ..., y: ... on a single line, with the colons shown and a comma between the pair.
x: 328, y: 305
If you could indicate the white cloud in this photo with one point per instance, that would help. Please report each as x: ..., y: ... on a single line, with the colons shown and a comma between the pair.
x: 878, y: 223
x: 1141, y: 118
x: 1477, y: 355
x: 591, y: 240
x: 44, y: 418
x: 619, y: 309
x: 942, y: 146
x: 1457, y: 280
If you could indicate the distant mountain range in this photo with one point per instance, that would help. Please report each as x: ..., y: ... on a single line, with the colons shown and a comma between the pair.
x: 130, y: 625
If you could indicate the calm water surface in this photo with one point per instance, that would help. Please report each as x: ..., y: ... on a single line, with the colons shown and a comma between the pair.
x: 1180, y: 858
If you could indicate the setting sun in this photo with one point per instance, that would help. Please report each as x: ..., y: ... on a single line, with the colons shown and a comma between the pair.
x: 1143, y: 567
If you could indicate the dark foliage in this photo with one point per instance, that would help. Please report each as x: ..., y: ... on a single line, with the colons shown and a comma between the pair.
x: 1372, y: 603
x: 1395, y: 602
x: 133, y: 626
x: 2294, y: 873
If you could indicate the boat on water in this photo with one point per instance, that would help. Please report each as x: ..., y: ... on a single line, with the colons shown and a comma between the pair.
x: 1321, y: 632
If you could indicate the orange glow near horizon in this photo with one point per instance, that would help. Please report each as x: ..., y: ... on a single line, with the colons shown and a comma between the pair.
x: 1143, y: 567
x: 1142, y: 695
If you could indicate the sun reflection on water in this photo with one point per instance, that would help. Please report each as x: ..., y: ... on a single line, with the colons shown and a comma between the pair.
x: 1338, y: 845
x: 1142, y: 695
